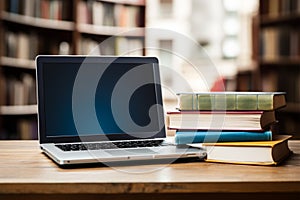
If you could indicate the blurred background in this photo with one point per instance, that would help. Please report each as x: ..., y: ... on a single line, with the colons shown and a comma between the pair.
x: 220, y: 45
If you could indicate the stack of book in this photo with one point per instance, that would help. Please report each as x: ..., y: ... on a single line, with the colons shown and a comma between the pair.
x: 238, y: 118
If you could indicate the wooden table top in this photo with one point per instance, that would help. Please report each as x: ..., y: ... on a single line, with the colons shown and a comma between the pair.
x: 24, y: 169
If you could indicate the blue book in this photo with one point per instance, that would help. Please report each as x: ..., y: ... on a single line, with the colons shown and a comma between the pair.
x: 186, y: 137
x: 14, y: 6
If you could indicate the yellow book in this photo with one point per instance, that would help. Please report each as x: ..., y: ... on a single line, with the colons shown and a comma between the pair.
x: 255, y: 153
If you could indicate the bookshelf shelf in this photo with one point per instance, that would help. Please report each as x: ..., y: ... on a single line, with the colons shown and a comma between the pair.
x: 111, y: 30
x: 38, y: 22
x: 127, y: 2
x: 281, y: 62
x: 18, y: 110
x: 267, y: 20
x: 17, y: 63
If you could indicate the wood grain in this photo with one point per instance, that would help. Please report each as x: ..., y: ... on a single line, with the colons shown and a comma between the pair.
x: 24, y: 169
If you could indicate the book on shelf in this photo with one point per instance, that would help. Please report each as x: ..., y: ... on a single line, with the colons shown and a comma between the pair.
x: 269, y: 41
x: 83, y: 9
x: 21, y: 45
x: 24, y: 128
x: 277, y: 8
x: 231, y: 101
x: 273, y: 9
x: 27, y: 129
x: 112, y: 46
x: 108, y: 14
x: 90, y: 46
x: 18, y: 91
x: 129, y: 46
x: 47, y: 9
x: 294, y: 43
x: 29, y: 8
x: 13, y: 6
x: 279, y: 43
x: 207, y: 136
x: 221, y: 120
x: 270, y: 81
x: 101, y: 13
x: 26, y: 46
x: 2, y: 88
x: 255, y: 153
x: 108, y: 47
x: 289, y: 81
x: 97, y: 13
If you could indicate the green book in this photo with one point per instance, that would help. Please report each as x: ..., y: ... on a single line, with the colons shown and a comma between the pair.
x: 231, y: 100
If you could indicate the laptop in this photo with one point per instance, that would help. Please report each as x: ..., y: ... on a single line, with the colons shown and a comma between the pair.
x: 103, y: 109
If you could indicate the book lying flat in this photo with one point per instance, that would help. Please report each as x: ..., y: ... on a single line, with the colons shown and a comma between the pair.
x: 221, y: 120
x: 256, y: 153
x: 231, y: 101
x: 188, y: 137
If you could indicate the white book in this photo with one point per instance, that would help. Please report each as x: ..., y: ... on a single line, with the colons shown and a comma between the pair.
x: 97, y: 13
x: 29, y: 8
x: 254, y: 153
x: 18, y: 93
x: 135, y: 47
x: 23, y: 46
x: 122, y: 46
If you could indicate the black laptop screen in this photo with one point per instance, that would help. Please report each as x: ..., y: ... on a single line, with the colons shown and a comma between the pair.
x: 96, y: 98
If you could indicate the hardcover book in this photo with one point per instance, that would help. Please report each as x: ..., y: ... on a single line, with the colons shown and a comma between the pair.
x: 231, y: 101
x: 221, y: 120
x: 256, y: 153
x: 187, y: 137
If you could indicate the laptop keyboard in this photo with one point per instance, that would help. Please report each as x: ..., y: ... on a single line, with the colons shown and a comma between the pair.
x: 109, y: 145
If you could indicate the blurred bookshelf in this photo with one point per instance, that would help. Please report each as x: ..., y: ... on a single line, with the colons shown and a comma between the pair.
x: 29, y: 28
x: 245, y: 80
x: 278, y: 57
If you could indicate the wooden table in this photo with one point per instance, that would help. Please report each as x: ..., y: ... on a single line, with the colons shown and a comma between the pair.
x: 26, y: 173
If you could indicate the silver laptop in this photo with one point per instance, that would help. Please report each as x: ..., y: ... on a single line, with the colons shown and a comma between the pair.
x: 103, y: 109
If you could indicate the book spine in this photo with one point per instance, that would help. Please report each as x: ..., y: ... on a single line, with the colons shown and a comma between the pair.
x: 18, y: 91
x: 186, y: 137
x: 226, y: 102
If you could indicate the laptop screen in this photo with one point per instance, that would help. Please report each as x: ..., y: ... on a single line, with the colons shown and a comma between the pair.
x: 98, y: 98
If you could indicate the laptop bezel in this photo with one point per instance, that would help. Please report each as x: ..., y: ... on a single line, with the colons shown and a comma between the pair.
x: 41, y: 59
